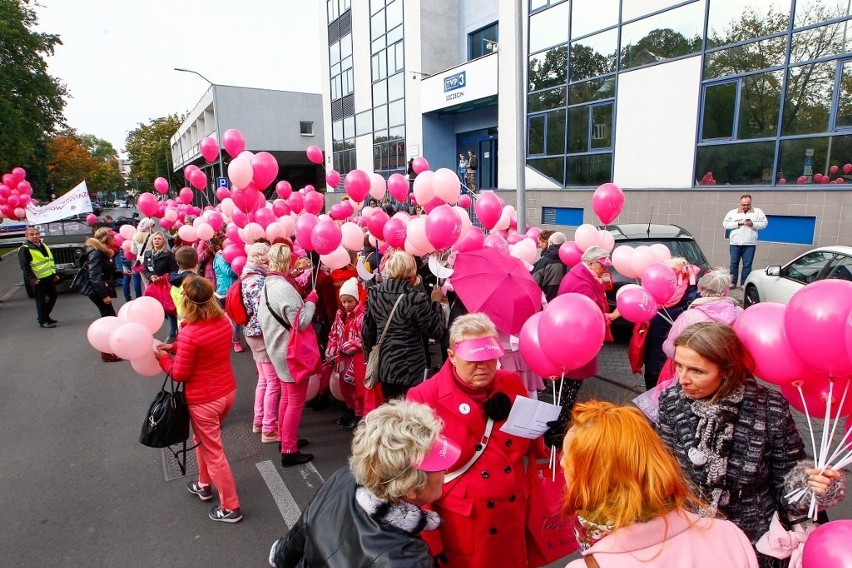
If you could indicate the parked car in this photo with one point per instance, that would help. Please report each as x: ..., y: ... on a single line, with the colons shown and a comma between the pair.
x: 778, y: 283
x: 66, y: 240
x: 677, y: 239
x: 12, y: 233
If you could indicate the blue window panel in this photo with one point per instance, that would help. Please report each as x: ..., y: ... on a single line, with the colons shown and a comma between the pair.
x: 787, y: 229
x: 571, y: 216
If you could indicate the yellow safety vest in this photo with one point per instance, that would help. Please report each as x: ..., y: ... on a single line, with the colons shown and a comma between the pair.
x: 42, y: 266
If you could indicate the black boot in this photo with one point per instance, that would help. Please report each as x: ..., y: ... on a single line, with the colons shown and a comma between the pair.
x: 295, y: 458
x: 320, y: 401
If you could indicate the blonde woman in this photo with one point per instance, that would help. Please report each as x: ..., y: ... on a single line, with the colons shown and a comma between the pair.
x: 140, y: 242
x: 157, y: 263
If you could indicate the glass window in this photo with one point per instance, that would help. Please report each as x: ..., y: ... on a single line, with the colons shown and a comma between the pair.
x: 376, y: 5
x: 400, y: 57
x: 548, y: 68
x: 592, y: 169
x: 334, y: 53
x: 760, y: 103
x: 733, y: 21
x: 554, y: 168
x: 815, y: 11
x: 808, y: 268
x: 378, y: 45
x: 536, y: 4
x: 396, y: 87
x: 391, y: 55
x: 809, y: 156
x: 546, y: 100
x: 719, y: 106
x: 736, y: 164
x: 808, y: 101
x: 535, y: 143
x: 396, y: 113
x: 555, y: 132
x: 337, y: 130
x: 394, y: 35
x: 549, y: 27
x: 578, y: 129
x: 306, y: 127
x: 377, y: 26
x: 394, y: 14
x: 380, y: 93
x: 844, y: 102
x: 663, y: 36
x: 824, y: 41
x: 349, y: 127
x: 592, y: 15
x: 482, y: 42
x: 593, y: 90
x: 363, y: 123
x: 744, y: 58
x: 602, y: 126
x: 631, y: 9
x: 380, y: 117
x: 593, y: 56
x: 841, y: 269
x: 346, y: 46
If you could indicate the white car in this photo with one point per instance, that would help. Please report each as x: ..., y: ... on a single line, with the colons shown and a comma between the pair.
x: 779, y: 283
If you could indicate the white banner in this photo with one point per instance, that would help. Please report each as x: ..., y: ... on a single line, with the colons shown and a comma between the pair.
x: 71, y: 204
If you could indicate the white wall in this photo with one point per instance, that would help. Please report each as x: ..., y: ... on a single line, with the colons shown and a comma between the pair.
x: 656, y: 123
x: 511, y: 142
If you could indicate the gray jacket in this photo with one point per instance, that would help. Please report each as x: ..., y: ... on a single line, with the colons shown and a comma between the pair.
x: 286, y: 301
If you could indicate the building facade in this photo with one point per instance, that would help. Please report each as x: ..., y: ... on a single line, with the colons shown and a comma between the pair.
x: 684, y: 104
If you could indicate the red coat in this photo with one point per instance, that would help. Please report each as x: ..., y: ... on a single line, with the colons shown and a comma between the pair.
x: 203, y: 360
x: 484, y: 510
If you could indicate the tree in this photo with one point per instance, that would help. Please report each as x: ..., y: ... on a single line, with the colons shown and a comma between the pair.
x: 31, y: 101
x: 149, y: 149
x: 74, y: 158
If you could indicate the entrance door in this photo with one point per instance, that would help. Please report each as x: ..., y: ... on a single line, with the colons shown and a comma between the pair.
x: 485, y: 146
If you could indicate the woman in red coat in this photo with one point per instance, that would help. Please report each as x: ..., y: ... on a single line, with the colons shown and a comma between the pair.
x: 202, y: 360
x: 484, y: 504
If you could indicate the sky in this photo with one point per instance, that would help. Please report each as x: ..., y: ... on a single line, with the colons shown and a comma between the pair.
x: 118, y: 56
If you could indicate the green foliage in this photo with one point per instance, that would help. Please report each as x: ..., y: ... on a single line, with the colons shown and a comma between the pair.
x: 74, y: 158
x: 31, y: 101
x: 149, y: 149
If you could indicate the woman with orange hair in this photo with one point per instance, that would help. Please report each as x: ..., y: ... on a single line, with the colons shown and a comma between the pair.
x: 629, y: 500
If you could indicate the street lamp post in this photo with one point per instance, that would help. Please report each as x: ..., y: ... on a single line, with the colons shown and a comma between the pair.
x: 215, y: 116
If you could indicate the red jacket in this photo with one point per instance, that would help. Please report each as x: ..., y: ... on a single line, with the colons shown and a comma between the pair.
x: 484, y: 510
x: 203, y: 360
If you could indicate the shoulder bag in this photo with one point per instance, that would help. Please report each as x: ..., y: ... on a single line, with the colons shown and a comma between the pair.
x: 371, y: 377
x: 167, y: 420
x: 82, y: 284
x: 303, y: 352
x: 137, y: 264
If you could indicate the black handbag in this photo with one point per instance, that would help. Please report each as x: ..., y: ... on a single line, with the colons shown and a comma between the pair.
x: 167, y: 420
x: 82, y: 284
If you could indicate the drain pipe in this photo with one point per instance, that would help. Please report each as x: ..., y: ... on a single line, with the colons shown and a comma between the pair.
x: 520, y: 118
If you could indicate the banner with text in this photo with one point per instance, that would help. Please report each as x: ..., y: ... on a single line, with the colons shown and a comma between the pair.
x: 71, y: 204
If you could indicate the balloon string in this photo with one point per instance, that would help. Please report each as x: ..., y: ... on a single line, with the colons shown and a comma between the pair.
x: 808, y: 416
x: 834, y: 429
x: 820, y: 460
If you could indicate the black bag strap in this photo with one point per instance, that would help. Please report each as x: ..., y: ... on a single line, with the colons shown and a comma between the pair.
x: 278, y: 318
x: 175, y: 387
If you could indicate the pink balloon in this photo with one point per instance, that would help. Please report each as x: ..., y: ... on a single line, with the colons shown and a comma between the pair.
x: 314, y: 202
x: 423, y: 190
x: 847, y: 169
x: 378, y: 186
x: 570, y: 253
x: 188, y: 171
x: 802, y: 180
x: 829, y: 545
x: 264, y: 217
x: 91, y: 218
x: 376, y: 222
x: 338, y: 258
x: 642, y: 257
x: 571, y: 330
x: 265, y: 168
x: 187, y: 234
x: 240, y: 171
x: 446, y: 185
x: 443, y: 227
x: 608, y: 201
x: 204, y: 231
x: 332, y: 178
x: 761, y: 329
x: 816, y: 320
x: 209, y: 149
x: 436, y: 202
x: 352, y: 237
x: 661, y: 251
x: 239, y: 218
x: 514, y: 238
x: 398, y: 186
x: 394, y: 232
x: 296, y: 201
x: 20, y: 212
x: 314, y: 154
x: 586, y: 236
x: 416, y: 235
x: 275, y: 231
x: 782, y: 181
x: 660, y: 281
x: 144, y: 310
x: 346, y: 209
x: 238, y: 264
x: 357, y: 184
x: 280, y: 208
x: 636, y: 305
x: 233, y: 142
x: 473, y: 240
x: 488, y: 208
x: 222, y: 193
x: 419, y: 165
x: 147, y: 365
x: 622, y: 260
x: 230, y: 252
x: 161, y: 185
x: 313, y: 386
x: 131, y: 340
x: 531, y: 350
x: 496, y: 241
x: 283, y: 189
x: 185, y: 195
x: 19, y: 173
x: 815, y: 389
x: 606, y: 240
x: 833, y: 170
x: 100, y: 330
x: 326, y: 237
x: 215, y: 220
x: 304, y: 225
x: 464, y: 201
x: 253, y: 231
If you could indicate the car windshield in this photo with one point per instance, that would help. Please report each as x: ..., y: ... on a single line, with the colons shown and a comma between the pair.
x: 67, y: 227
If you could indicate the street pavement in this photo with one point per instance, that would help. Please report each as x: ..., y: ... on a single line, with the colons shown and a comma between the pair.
x: 81, y: 491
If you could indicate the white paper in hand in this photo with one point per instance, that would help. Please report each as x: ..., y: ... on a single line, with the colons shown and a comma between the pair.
x: 529, y: 418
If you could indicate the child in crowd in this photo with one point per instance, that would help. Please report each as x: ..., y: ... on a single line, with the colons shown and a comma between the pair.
x: 187, y: 261
x: 345, y: 354
x: 224, y: 277
x: 122, y: 266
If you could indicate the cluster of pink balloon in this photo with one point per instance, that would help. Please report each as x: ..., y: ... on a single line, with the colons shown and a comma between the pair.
x: 15, y: 193
x: 829, y: 545
x: 804, y: 346
x: 820, y: 178
x: 566, y: 335
x: 130, y: 335
x: 639, y: 303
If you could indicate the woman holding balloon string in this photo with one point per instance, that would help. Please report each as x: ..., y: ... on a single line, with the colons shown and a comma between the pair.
x: 736, y: 439
x: 157, y: 263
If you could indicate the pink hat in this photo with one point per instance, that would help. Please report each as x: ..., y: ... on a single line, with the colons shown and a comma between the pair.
x: 479, y: 349
x: 443, y: 454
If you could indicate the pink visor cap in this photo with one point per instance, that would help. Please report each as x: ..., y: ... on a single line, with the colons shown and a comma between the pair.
x: 479, y: 349
x: 443, y: 455
x: 605, y: 261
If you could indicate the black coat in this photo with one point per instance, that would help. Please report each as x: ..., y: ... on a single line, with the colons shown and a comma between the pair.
x: 158, y: 263
x: 548, y: 257
x: 404, y: 352
x: 101, y: 271
x: 334, y: 531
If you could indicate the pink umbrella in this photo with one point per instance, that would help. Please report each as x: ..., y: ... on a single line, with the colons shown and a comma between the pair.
x: 497, y: 285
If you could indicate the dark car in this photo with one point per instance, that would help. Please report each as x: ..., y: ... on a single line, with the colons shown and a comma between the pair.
x: 677, y: 239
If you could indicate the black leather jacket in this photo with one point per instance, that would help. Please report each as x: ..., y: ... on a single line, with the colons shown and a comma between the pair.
x: 335, y: 532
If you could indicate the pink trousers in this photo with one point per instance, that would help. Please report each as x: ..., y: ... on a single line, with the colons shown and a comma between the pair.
x: 213, y: 465
x: 290, y: 414
x: 266, y: 398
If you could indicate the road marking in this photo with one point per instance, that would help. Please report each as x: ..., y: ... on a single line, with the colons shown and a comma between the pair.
x: 9, y: 294
x: 282, y: 496
x: 311, y: 476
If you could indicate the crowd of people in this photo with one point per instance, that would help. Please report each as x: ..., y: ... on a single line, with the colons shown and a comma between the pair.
x: 691, y: 474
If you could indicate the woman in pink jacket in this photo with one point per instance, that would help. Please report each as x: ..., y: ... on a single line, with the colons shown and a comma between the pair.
x: 629, y: 501
x: 202, y: 360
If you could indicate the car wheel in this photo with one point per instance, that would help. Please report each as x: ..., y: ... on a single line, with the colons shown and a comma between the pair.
x: 751, y: 296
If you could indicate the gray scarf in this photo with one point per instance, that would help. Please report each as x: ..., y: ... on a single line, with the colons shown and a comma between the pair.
x: 708, y: 450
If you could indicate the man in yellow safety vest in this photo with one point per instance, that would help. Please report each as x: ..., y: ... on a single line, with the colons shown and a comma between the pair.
x: 36, y: 261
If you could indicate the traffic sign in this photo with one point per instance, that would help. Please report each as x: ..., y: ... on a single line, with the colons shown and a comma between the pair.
x: 221, y: 182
